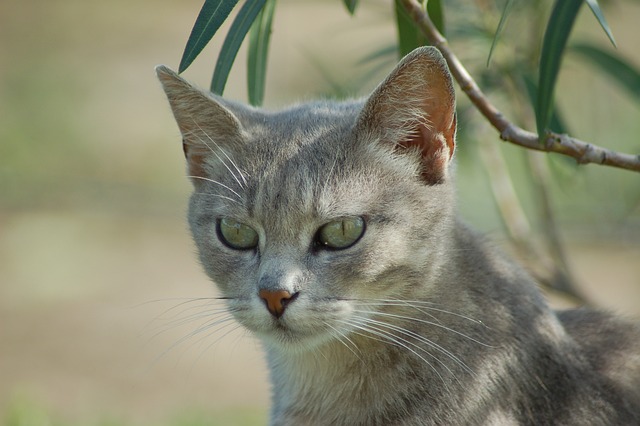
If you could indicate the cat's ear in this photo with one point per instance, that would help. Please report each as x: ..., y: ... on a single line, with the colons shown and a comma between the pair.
x: 204, y: 123
x: 414, y: 108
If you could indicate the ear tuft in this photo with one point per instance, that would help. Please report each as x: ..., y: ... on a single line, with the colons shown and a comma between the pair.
x: 163, y: 70
x: 205, y: 123
x: 414, y: 107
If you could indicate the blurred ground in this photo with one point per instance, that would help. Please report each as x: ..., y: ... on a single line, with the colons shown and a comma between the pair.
x: 93, y: 242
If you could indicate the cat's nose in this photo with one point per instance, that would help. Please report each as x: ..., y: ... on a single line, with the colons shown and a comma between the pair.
x: 277, y: 300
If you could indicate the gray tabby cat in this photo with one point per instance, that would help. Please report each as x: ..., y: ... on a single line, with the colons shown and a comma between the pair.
x: 330, y: 230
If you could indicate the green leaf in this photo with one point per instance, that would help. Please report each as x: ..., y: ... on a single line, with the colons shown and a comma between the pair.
x: 555, y: 39
x: 436, y: 13
x: 595, y: 8
x: 556, y: 122
x: 503, y: 20
x: 232, y: 42
x: 564, y: 168
x: 258, y: 49
x: 351, y: 6
x: 615, y: 66
x: 210, y: 18
x: 409, y: 37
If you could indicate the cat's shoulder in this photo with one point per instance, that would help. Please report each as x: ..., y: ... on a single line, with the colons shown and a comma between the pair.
x: 610, y: 343
x: 595, y: 329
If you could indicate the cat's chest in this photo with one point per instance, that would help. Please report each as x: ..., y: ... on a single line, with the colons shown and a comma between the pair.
x: 350, y: 390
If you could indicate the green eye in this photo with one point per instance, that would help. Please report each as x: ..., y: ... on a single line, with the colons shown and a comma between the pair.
x: 341, y: 233
x: 237, y: 235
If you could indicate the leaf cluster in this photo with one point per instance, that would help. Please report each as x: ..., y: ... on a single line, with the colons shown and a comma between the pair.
x: 537, y: 72
x: 255, y: 17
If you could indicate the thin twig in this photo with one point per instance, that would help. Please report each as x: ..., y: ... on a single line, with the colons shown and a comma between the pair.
x: 548, y: 266
x: 582, y: 152
x: 559, y: 276
x: 504, y: 194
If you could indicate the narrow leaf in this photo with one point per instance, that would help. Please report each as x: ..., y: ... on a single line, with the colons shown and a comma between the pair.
x: 563, y: 167
x: 556, y: 122
x: 258, y: 49
x: 351, y: 6
x: 209, y: 20
x: 595, y: 8
x: 232, y: 42
x: 503, y: 20
x: 409, y: 37
x: 555, y: 39
x: 615, y: 66
x: 436, y: 13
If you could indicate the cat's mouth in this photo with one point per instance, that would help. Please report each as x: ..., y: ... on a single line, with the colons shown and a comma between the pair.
x: 283, y: 336
x: 286, y: 329
x: 301, y: 326
x: 280, y: 327
x: 292, y: 333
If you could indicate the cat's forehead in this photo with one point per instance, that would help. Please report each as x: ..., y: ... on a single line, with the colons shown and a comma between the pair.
x: 312, y: 124
x: 307, y: 164
x: 319, y: 177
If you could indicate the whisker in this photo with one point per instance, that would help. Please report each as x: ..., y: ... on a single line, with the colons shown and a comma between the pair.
x: 429, y: 306
x: 340, y: 336
x: 365, y: 326
x: 208, y: 335
x: 426, y: 305
x: 430, y: 323
x: 200, y: 329
x: 328, y: 175
x: 174, y: 299
x: 218, y: 156
x: 224, y: 197
x: 414, y: 335
x: 426, y: 341
x: 383, y: 302
x: 217, y: 183
x: 208, y: 301
x: 185, y: 301
x: 175, y: 323
x: 204, y: 350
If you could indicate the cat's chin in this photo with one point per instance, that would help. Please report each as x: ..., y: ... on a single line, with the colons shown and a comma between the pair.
x: 286, y: 340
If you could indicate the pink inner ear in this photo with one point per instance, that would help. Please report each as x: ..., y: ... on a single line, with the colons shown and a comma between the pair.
x: 195, y: 160
x: 436, y: 147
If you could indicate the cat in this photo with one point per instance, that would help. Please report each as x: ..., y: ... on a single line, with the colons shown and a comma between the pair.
x: 330, y: 230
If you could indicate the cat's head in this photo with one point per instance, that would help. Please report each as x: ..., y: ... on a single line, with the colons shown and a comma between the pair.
x: 312, y: 217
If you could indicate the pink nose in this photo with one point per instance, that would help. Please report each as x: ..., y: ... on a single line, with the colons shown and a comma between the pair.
x: 277, y: 300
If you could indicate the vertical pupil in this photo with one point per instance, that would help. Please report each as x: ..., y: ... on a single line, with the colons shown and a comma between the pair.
x: 237, y: 234
x: 341, y: 233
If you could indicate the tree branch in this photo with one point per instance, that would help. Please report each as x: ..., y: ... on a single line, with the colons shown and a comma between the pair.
x: 582, y: 152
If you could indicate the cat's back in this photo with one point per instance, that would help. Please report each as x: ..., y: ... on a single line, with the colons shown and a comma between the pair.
x: 612, y: 347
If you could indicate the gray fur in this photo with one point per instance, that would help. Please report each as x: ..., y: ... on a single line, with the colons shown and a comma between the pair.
x: 421, y: 322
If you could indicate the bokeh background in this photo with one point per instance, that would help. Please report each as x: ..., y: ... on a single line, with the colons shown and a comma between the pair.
x: 93, y: 243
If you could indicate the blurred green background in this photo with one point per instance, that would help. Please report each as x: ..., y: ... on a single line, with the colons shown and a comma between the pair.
x: 93, y: 242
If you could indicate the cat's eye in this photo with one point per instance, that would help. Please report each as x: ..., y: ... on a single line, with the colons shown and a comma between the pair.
x: 341, y: 233
x: 237, y: 235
